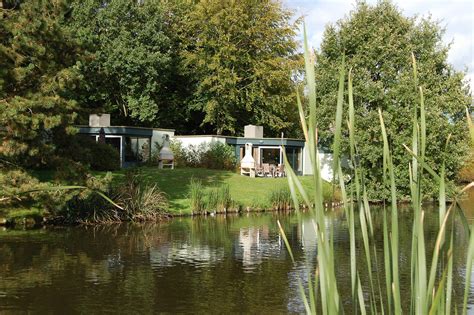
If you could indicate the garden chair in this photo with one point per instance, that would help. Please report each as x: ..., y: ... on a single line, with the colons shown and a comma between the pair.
x: 280, y: 171
x: 259, y: 170
x: 267, y: 171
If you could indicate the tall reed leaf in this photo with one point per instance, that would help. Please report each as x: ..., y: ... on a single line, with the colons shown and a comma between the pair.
x: 394, y: 242
x: 337, y: 133
x: 470, y: 257
x: 430, y: 289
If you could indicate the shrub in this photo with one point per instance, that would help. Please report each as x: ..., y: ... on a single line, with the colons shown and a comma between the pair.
x: 98, y: 156
x: 104, y: 157
x: 214, y: 155
x: 219, y: 156
x: 22, y: 192
x: 140, y: 201
x: 71, y: 172
x: 179, y: 153
x: 88, y: 206
x: 13, y: 184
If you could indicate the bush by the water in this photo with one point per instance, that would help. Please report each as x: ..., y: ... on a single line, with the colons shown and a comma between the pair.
x: 214, y: 155
x: 140, y: 201
x: 98, y: 156
x: 20, y: 192
x: 95, y: 199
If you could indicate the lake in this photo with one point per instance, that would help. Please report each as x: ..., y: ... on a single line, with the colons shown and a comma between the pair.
x: 223, y: 264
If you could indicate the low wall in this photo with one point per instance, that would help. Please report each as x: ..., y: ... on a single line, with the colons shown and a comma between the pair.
x: 187, y: 141
x: 325, y: 160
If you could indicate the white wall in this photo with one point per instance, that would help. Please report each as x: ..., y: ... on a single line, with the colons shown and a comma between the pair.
x: 325, y: 160
x: 186, y: 141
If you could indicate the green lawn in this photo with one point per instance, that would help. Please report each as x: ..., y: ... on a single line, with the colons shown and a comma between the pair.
x: 246, y: 191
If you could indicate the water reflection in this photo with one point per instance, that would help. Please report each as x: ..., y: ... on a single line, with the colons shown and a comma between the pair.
x: 219, y: 264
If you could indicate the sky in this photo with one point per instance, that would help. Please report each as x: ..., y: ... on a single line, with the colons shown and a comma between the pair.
x: 457, y: 16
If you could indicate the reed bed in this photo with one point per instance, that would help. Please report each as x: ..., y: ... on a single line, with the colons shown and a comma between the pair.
x: 196, y: 194
x: 431, y: 282
x: 219, y: 199
x: 280, y: 199
x: 214, y: 199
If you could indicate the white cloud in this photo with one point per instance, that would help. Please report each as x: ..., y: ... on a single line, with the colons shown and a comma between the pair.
x: 457, y: 16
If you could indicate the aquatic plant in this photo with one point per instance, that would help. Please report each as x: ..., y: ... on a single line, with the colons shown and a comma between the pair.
x: 140, y: 201
x: 219, y: 198
x: 280, y: 199
x: 196, y: 195
x: 431, y: 284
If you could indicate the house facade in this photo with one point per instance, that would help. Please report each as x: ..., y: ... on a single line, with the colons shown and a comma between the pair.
x: 137, y: 144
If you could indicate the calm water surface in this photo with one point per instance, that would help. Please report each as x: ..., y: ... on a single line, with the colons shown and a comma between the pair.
x: 219, y: 264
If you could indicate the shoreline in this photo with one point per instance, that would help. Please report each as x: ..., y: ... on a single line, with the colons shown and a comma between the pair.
x: 62, y: 222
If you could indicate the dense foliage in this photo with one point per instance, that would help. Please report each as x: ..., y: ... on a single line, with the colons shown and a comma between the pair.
x: 210, y: 66
x: 132, y: 69
x: 378, y: 42
x: 214, y: 155
x: 241, y: 55
x: 38, y: 72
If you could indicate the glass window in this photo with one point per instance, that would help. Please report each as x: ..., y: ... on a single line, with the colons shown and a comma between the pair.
x: 113, y: 141
x: 270, y: 155
x: 137, y: 149
x: 143, y: 149
x: 294, y: 158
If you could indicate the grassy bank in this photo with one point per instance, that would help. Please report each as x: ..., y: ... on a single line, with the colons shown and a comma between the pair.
x: 245, y: 191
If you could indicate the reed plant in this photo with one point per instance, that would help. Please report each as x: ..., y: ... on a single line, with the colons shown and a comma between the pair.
x: 139, y: 200
x: 219, y: 198
x: 196, y: 195
x: 431, y: 283
x: 280, y: 199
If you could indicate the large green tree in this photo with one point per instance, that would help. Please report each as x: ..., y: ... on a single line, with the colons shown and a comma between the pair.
x: 38, y: 72
x: 133, y: 69
x: 240, y: 56
x: 378, y: 42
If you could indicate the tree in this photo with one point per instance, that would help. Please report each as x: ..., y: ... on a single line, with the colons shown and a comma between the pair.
x: 38, y: 71
x: 377, y: 42
x: 132, y: 71
x: 240, y: 56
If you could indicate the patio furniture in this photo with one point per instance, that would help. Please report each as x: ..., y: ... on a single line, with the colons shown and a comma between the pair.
x: 259, y: 170
x: 280, y: 171
x: 267, y: 170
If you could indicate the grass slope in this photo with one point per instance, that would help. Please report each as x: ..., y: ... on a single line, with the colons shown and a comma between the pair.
x: 246, y: 191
